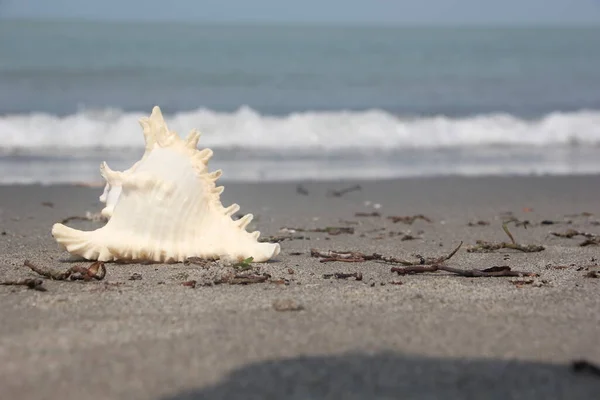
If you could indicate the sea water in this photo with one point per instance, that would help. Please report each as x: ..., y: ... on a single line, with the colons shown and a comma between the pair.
x: 301, y: 102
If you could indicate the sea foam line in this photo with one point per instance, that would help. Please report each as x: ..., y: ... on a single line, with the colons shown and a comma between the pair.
x: 316, y: 131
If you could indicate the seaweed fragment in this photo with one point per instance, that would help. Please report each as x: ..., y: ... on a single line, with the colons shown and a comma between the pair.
x: 482, y: 246
x: 591, y: 239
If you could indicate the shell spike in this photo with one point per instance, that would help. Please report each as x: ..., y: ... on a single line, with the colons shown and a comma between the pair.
x: 218, y: 190
x: 109, y: 175
x: 243, y: 222
x: 204, y: 155
x: 149, y: 137
x: 159, y: 130
x: 80, y: 243
x: 213, y: 176
x: 192, y: 139
x: 156, y: 115
x: 232, y: 209
x: 255, y: 235
x: 165, y: 137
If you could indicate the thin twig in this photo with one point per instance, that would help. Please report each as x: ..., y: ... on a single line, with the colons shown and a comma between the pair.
x: 248, y: 279
x: 74, y: 218
x: 35, y: 284
x: 95, y: 271
x: 341, y: 275
x: 341, y: 192
x: 332, y: 230
x: 364, y: 214
x: 591, y: 238
x: 281, y: 238
x: 352, y: 256
x: 410, y: 219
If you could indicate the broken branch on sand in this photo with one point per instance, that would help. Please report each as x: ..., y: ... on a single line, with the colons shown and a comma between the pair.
x: 35, y: 284
x: 471, y: 273
x: 95, y: 271
x: 354, y: 256
x: 482, y: 246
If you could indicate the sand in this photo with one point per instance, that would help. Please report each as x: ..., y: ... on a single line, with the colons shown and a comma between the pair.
x: 433, y: 336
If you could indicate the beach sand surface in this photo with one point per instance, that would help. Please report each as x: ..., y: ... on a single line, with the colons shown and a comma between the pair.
x: 140, y: 333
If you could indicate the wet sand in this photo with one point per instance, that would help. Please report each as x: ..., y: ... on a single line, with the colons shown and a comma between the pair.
x: 436, y: 335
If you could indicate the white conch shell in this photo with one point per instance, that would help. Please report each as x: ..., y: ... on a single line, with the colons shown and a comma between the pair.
x: 166, y: 208
x: 112, y: 189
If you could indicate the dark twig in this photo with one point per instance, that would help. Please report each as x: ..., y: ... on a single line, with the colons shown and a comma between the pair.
x: 301, y: 190
x: 35, y: 284
x: 75, y: 218
x: 332, y: 230
x: 341, y: 192
x: 590, y: 242
x: 586, y: 366
x: 591, y: 238
x: 281, y: 238
x: 364, y: 214
x: 342, y: 275
x: 472, y: 273
x: 592, y: 274
x: 410, y: 219
x: 343, y: 256
x: 95, y: 271
x: 478, y: 223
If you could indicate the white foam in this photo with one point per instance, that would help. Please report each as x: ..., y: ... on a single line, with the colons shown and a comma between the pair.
x: 314, y: 131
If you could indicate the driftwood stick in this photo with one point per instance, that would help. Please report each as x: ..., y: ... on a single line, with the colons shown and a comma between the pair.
x: 472, y: 273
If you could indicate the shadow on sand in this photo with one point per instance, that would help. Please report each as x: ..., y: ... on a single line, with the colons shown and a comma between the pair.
x: 388, y: 376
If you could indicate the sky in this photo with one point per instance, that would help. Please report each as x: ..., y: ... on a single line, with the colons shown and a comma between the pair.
x: 565, y: 12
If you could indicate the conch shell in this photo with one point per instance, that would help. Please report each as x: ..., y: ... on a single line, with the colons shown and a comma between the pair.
x: 166, y: 208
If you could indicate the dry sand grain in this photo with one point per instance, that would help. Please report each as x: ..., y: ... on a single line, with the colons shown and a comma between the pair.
x: 141, y: 334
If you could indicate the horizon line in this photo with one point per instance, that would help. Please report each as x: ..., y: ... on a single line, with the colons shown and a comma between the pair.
x: 302, y: 23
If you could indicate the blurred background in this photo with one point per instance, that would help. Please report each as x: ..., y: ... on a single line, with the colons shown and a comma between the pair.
x: 311, y: 90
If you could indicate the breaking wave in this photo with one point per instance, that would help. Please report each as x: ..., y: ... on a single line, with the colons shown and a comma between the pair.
x: 327, y: 132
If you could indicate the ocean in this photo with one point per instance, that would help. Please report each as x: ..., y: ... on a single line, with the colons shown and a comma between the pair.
x: 301, y: 102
